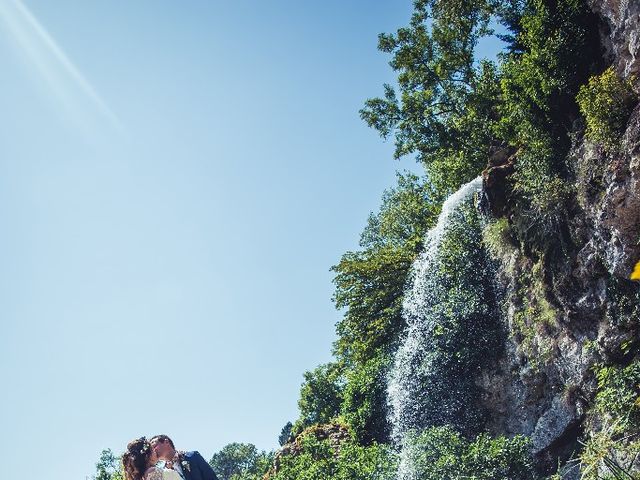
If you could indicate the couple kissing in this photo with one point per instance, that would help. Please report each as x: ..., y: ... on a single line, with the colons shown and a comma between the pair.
x: 158, y: 459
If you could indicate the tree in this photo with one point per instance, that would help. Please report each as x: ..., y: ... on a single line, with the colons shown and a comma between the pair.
x: 446, y: 103
x: 240, y: 461
x: 320, y: 395
x: 370, y: 282
x: 285, y: 433
x: 364, y: 407
x: 109, y: 467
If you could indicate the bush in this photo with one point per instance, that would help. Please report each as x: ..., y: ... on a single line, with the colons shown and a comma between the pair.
x: 615, y: 445
x: 606, y: 103
x: 558, y: 46
x: 321, y: 458
x: 440, y: 453
x: 365, y: 401
x: 497, y: 238
x: 320, y: 395
x: 240, y: 461
x: 619, y: 394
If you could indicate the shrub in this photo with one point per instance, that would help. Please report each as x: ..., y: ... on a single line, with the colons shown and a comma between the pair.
x: 323, y: 458
x: 613, y: 447
x: 496, y: 236
x: 365, y: 401
x: 441, y: 453
x: 606, y: 103
x: 320, y: 395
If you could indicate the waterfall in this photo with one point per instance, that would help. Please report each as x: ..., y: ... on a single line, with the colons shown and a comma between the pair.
x: 450, y: 310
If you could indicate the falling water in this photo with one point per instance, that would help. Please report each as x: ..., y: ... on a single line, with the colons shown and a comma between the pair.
x: 447, y: 292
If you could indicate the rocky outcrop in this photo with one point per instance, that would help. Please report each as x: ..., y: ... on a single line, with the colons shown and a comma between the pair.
x: 583, y: 307
x: 335, y: 433
x: 622, y: 40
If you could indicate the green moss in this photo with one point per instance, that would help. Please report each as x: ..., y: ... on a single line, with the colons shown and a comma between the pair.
x: 535, y: 318
x: 606, y: 103
x: 497, y: 237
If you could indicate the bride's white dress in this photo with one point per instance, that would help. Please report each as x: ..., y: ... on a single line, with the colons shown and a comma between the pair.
x: 156, y: 473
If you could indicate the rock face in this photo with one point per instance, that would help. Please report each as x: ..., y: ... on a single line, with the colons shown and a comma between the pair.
x: 544, y: 384
x: 623, y: 38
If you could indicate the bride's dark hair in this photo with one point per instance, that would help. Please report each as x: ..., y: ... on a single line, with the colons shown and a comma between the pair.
x: 134, y: 460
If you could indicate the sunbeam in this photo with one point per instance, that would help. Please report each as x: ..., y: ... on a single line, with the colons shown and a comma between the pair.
x: 52, y: 63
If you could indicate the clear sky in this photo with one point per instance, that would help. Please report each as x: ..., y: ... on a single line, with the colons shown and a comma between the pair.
x: 176, y: 180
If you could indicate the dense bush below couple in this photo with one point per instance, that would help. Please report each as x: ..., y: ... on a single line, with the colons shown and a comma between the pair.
x: 157, y: 459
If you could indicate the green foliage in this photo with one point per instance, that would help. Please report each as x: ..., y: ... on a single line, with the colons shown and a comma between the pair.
x: 558, y: 46
x: 498, y: 239
x: 370, y: 286
x: 619, y: 394
x: 606, y: 103
x: 320, y: 395
x: 240, y: 461
x: 534, y: 320
x: 322, y: 459
x: 109, y: 467
x: 446, y: 104
x: 370, y: 283
x: 601, y: 457
x: 440, y: 453
x: 285, y: 434
x: 613, y: 447
x: 364, y: 401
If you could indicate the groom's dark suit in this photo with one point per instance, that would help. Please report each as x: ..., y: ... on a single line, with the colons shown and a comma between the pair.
x: 198, y: 468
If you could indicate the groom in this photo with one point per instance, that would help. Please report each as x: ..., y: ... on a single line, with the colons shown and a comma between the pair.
x: 190, y: 465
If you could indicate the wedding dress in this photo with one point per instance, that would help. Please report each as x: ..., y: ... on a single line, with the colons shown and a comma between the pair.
x: 156, y: 473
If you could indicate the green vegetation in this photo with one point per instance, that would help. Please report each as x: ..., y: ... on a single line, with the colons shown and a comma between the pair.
x: 241, y: 461
x: 285, y: 434
x: 324, y: 458
x: 557, y: 50
x: 320, y: 396
x: 446, y: 105
x: 441, y: 453
x: 369, y: 287
x: 370, y: 282
x: 613, y: 446
x: 606, y: 103
x: 498, y: 239
x: 109, y: 467
x: 365, y: 398
x: 535, y: 318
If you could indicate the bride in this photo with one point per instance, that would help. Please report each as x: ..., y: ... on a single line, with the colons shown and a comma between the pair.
x: 140, y: 460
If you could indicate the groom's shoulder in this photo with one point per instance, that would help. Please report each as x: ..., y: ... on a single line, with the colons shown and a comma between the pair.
x: 192, y: 454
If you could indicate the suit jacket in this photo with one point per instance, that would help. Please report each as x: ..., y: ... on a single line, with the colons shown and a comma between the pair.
x: 195, y: 467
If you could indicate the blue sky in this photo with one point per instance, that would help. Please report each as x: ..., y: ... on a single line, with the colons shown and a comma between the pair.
x: 176, y: 179
x: 169, y: 271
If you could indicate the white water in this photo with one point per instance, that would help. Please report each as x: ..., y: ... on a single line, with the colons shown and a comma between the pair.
x: 406, y: 393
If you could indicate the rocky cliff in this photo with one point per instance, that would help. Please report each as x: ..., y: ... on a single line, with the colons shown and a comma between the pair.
x: 573, y: 307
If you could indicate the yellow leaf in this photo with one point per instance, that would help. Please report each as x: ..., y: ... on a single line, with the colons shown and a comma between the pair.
x: 636, y: 272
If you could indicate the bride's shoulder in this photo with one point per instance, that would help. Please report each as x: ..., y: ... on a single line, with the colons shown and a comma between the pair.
x: 152, y: 473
